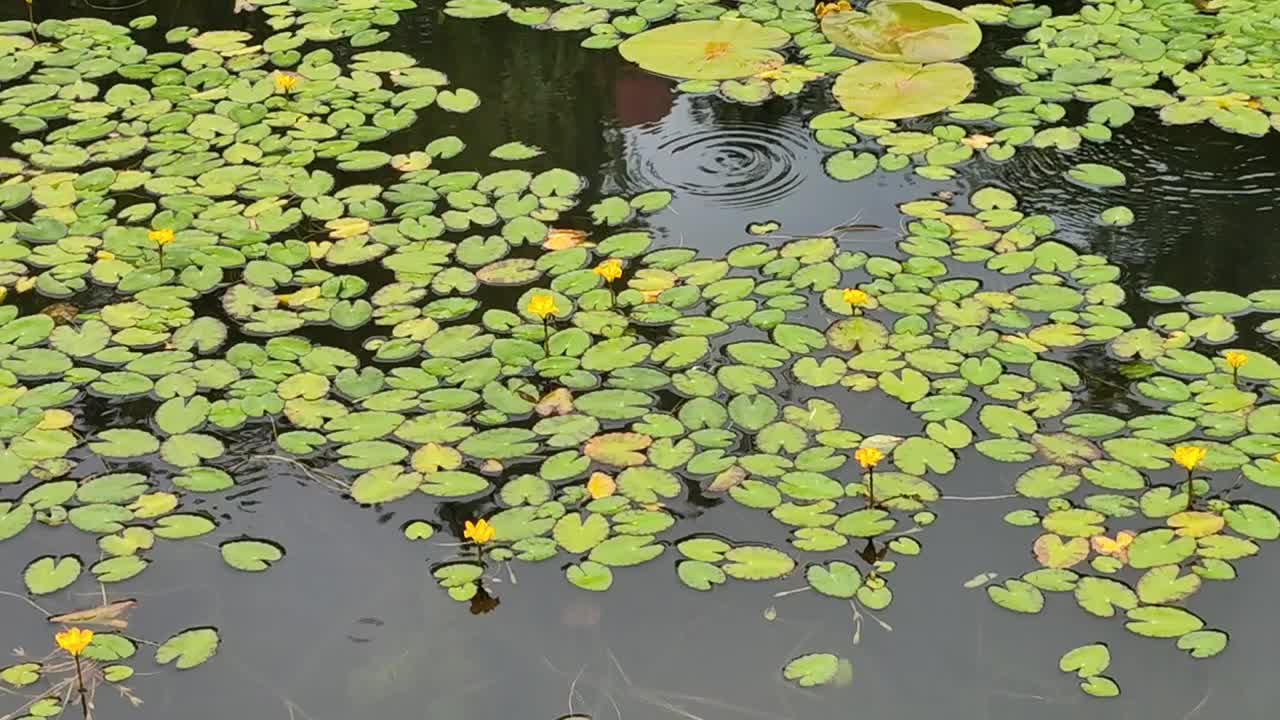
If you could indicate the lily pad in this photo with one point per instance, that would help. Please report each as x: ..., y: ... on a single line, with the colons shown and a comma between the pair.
x: 895, y: 90
x: 706, y: 49
x: 917, y: 31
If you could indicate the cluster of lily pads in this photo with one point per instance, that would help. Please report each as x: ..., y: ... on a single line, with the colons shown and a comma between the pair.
x: 573, y: 389
x: 1113, y: 54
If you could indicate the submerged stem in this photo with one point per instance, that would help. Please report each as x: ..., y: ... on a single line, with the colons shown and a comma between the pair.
x: 84, y: 698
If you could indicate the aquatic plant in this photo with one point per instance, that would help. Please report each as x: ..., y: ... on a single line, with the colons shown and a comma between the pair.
x: 581, y: 440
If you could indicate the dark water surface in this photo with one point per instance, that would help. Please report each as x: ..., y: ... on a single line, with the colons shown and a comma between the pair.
x: 351, y: 625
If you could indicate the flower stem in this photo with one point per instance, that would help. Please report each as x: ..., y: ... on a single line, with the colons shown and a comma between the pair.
x: 84, y: 697
x: 1191, y: 491
x: 871, y: 486
x: 546, y: 338
x: 31, y: 14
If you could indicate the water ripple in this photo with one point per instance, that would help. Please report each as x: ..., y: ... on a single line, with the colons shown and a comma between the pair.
x: 731, y: 163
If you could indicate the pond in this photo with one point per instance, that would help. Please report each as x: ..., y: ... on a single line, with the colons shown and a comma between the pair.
x: 639, y: 359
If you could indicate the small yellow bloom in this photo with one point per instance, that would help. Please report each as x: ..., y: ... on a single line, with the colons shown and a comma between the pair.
x: 868, y: 457
x: 1236, y: 360
x: 4, y: 293
x: 105, y: 255
x: 855, y: 298
x: 601, y: 486
x: 161, y: 237
x: 610, y: 269
x: 479, y: 532
x: 74, y: 641
x: 825, y: 9
x: 542, y: 306
x: 286, y: 82
x: 650, y: 296
x: 1189, y: 456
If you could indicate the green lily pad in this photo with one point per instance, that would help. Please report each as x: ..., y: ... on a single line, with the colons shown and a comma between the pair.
x: 706, y: 49
x: 894, y: 90
x: 916, y: 31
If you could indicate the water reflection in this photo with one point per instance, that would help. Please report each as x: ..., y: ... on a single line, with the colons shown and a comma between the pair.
x: 723, y: 155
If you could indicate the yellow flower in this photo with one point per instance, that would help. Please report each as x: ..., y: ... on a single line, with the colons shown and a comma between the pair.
x: 161, y: 237
x: 868, y: 457
x: 600, y: 486
x: 74, y: 641
x: 1188, y: 456
x: 479, y: 532
x: 1236, y: 360
x: 105, y: 255
x: 285, y: 82
x: 855, y: 298
x: 4, y: 293
x: 24, y: 284
x: 610, y: 269
x: 542, y: 306
x: 825, y: 9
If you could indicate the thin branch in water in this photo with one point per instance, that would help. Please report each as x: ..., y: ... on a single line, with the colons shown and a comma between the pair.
x: 980, y: 498
x: 784, y: 593
x: 573, y: 687
x: 26, y: 600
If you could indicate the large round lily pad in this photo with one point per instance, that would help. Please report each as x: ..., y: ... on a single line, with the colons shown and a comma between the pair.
x: 707, y: 49
x: 904, y: 30
x: 894, y: 90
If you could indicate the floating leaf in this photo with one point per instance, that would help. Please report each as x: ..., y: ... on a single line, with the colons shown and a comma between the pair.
x: 188, y: 648
x: 812, y: 670
x: 706, y: 49
x: 917, y: 31
x: 893, y: 90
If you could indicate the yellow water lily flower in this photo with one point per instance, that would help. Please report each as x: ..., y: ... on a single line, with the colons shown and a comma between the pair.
x: 161, y: 237
x: 1189, y: 456
x: 74, y: 641
x: 868, y: 457
x: 1236, y: 359
x: 4, y: 293
x: 855, y: 298
x: 542, y: 306
x: 105, y: 255
x: 479, y: 532
x: 601, y: 486
x: 825, y: 9
x: 610, y: 269
x: 286, y: 82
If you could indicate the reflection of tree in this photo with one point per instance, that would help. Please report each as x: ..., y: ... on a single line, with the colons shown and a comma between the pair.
x: 537, y: 87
